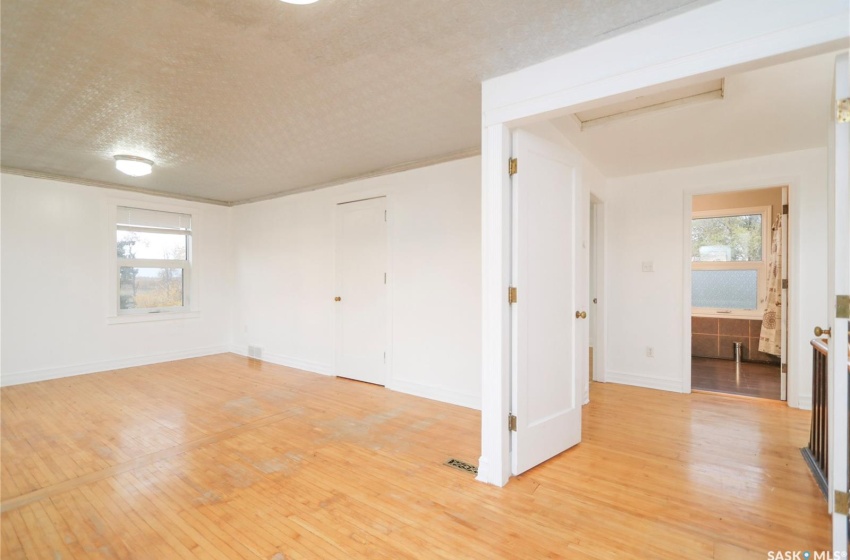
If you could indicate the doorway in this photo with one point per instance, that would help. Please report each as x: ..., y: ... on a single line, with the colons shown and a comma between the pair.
x: 738, y: 278
x: 651, y: 267
x: 361, y: 290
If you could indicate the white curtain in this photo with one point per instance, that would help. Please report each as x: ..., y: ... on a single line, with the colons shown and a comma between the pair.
x: 770, y: 339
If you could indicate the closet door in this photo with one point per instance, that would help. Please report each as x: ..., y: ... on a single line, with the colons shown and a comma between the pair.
x: 361, y: 290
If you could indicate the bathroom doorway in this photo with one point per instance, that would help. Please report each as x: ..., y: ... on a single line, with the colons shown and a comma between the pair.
x: 739, y: 292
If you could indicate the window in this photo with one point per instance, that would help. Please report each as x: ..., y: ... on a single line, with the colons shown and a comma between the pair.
x: 728, y: 256
x: 154, y: 260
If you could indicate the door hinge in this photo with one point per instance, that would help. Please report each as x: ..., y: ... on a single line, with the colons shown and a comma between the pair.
x: 784, y: 368
x: 512, y: 167
x: 785, y: 209
x: 784, y: 283
x: 385, y: 357
x: 385, y: 215
x: 842, y: 307
x: 511, y: 294
x: 511, y: 422
x: 842, y: 504
x: 385, y: 278
x: 842, y: 111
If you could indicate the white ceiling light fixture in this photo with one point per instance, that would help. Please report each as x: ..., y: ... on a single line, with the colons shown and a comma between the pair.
x: 300, y: 2
x: 133, y: 165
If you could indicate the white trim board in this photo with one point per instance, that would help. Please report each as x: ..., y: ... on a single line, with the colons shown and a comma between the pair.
x: 415, y: 389
x: 713, y: 38
x: 8, y: 379
x: 288, y: 361
x: 435, y: 394
x: 647, y: 382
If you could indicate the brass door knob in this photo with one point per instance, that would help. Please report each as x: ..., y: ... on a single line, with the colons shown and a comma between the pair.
x: 581, y: 314
x: 337, y: 298
x: 821, y: 332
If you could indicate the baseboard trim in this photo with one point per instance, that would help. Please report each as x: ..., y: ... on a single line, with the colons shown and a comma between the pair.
x: 288, y: 361
x: 9, y: 379
x: 817, y: 473
x: 804, y: 402
x: 435, y: 394
x: 672, y: 385
x: 415, y: 389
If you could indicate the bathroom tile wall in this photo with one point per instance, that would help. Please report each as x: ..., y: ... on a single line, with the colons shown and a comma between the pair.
x: 714, y: 337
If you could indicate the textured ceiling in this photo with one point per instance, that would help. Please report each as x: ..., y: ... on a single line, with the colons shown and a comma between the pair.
x: 240, y: 99
x: 770, y: 110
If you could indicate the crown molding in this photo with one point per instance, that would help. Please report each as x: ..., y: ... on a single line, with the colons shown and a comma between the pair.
x: 108, y: 185
x: 407, y: 166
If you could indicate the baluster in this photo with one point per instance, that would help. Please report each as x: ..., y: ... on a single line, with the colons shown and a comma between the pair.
x: 816, y: 454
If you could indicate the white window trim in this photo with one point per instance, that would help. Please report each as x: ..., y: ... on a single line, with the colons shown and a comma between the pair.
x: 191, y: 308
x: 759, y: 266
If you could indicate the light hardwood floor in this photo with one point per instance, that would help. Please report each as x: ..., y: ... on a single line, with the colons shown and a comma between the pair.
x: 222, y: 457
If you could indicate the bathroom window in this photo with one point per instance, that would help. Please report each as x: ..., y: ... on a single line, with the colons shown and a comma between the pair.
x: 728, y: 256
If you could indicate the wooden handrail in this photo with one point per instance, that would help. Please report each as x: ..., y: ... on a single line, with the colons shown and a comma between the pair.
x: 821, y: 345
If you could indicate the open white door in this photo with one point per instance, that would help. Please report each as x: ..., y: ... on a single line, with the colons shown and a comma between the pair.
x: 361, y: 283
x: 548, y: 339
x: 838, y: 291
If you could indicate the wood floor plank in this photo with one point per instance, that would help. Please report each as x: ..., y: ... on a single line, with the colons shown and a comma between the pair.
x: 222, y: 457
x: 10, y: 544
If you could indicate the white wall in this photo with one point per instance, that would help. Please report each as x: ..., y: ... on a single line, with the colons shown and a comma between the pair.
x: 284, y: 283
x: 56, y: 275
x: 645, y: 219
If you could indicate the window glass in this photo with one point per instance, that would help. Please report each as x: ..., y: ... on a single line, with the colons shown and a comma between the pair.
x: 145, y: 245
x: 725, y: 289
x: 727, y: 239
x: 146, y: 288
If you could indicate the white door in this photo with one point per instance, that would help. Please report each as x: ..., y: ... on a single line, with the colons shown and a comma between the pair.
x: 361, y: 290
x: 547, y: 338
x: 839, y: 285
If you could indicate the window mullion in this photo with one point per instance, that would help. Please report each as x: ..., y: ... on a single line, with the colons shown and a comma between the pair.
x: 144, y: 229
x: 153, y: 263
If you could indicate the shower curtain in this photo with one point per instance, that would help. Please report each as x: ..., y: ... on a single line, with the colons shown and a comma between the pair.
x: 770, y: 339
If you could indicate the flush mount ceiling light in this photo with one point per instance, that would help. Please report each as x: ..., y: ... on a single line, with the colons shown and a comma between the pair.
x: 300, y: 1
x: 133, y: 165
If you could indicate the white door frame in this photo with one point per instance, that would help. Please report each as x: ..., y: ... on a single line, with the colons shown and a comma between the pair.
x: 838, y: 284
x: 709, y: 41
x: 792, y: 270
x: 597, y: 206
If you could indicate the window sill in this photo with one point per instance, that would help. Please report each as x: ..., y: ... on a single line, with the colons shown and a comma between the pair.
x: 715, y: 315
x: 146, y: 317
